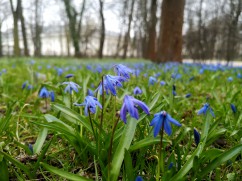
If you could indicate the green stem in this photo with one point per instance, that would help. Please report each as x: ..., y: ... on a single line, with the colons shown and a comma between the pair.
x: 46, y: 105
x: 111, y: 147
x: 102, y: 114
x: 71, y: 99
x: 89, y: 114
x: 161, y: 158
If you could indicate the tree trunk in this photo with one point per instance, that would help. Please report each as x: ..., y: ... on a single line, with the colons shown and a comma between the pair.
x: 232, y: 30
x: 151, y: 52
x: 38, y: 30
x: 1, y: 43
x: 170, y: 40
x: 72, y: 17
x: 102, y: 31
x: 26, y: 51
x: 16, y: 49
x: 127, y: 35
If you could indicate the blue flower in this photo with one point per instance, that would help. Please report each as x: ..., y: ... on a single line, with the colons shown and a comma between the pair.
x: 130, y: 105
x: 152, y: 80
x: 230, y: 79
x: 110, y: 83
x: 162, y: 83
x: 206, y: 107
x: 239, y: 76
x: 71, y: 86
x: 90, y: 92
x: 52, y: 96
x: 59, y: 71
x: 173, y: 90
x: 163, y: 119
x: 69, y: 76
x: 43, y: 93
x: 139, y: 178
x: 196, y: 136
x: 24, y: 85
x: 170, y: 165
x: 122, y: 70
x: 90, y: 103
x: 31, y: 148
x: 29, y: 87
x: 188, y: 95
x: 233, y: 107
x: 137, y: 90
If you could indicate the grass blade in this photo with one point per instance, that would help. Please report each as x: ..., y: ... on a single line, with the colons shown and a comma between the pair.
x: 64, y: 174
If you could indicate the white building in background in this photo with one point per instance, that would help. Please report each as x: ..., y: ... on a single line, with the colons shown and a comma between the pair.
x: 55, y: 42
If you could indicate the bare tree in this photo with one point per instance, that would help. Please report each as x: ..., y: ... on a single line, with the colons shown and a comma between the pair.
x: 170, y: 40
x: 24, y: 35
x: 232, y: 22
x: 151, y: 48
x: 4, y: 10
x: 102, y: 30
x: 74, y: 24
x: 15, y: 13
x: 127, y: 35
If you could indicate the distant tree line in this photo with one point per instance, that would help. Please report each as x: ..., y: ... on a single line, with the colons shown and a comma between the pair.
x: 159, y: 30
x: 214, y: 32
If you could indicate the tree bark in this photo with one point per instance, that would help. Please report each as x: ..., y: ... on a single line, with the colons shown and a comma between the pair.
x: 170, y: 40
x: 26, y: 51
x: 1, y: 43
x: 72, y: 17
x: 15, y: 12
x: 102, y: 30
x: 232, y: 30
x: 127, y: 35
x: 151, y: 52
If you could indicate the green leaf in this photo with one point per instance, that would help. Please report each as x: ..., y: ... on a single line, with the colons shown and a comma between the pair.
x: 188, y: 165
x: 64, y: 174
x: 124, y: 143
x: 17, y: 163
x: 154, y: 101
x: 129, y: 170
x: 72, y: 114
x: 40, y: 140
x: 51, y: 119
x: 4, y: 175
x: 211, y: 154
x: 146, y: 142
x: 41, y: 156
x: 221, y: 159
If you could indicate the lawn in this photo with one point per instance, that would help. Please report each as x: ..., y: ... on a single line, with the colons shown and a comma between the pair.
x: 67, y: 119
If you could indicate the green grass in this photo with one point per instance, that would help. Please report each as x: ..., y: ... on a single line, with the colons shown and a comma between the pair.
x: 67, y: 145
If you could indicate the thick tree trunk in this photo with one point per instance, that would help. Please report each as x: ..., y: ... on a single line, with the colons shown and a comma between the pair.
x: 151, y: 49
x: 102, y: 30
x: 26, y: 51
x: 170, y: 40
x: 127, y: 35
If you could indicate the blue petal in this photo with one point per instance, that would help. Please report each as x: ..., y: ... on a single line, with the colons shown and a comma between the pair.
x: 86, y: 110
x: 157, y: 127
x: 129, y: 105
x: 136, y: 114
x: 123, y: 113
x: 170, y: 119
x: 142, y: 105
x: 167, y: 127
x: 154, y: 120
x: 203, y: 110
